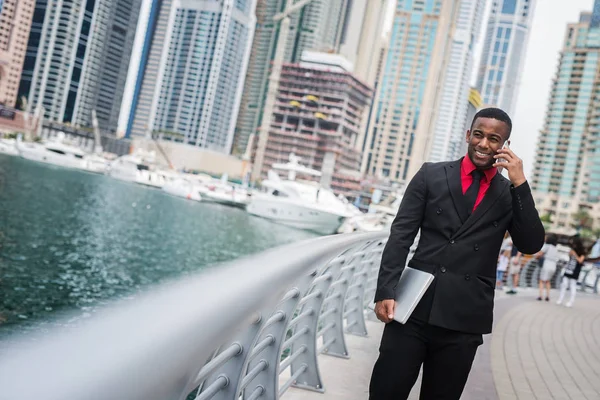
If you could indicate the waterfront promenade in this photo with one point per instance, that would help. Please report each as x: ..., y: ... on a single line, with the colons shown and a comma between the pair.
x: 538, y: 351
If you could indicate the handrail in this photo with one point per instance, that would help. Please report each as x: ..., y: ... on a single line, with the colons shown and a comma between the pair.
x: 224, y: 333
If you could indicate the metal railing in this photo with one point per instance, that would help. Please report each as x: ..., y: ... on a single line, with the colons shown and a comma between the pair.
x: 589, y: 278
x: 248, y: 329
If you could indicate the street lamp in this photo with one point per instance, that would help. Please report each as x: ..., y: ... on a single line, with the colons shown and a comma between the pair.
x: 273, y: 84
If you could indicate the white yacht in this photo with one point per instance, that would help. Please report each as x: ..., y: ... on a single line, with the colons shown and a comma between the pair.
x: 297, y: 203
x: 57, y: 151
x: 188, y: 186
x: 95, y: 163
x: 224, y: 192
x: 368, y: 222
x: 182, y: 188
x: 140, y: 167
x: 379, y: 217
x: 9, y: 146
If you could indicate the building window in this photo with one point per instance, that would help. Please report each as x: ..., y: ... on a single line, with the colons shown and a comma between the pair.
x: 509, y: 7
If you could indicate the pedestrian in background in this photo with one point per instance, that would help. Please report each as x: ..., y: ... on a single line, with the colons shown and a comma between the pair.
x: 503, y: 261
x: 572, y: 270
x: 595, y: 253
x: 514, y: 270
x: 549, y: 257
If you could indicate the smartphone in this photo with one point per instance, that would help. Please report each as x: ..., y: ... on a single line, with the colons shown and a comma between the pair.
x: 504, y: 146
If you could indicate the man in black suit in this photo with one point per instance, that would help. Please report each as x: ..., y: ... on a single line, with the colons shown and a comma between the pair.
x: 463, y: 209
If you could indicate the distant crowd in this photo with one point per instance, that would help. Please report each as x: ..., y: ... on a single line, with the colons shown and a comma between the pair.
x: 511, y: 262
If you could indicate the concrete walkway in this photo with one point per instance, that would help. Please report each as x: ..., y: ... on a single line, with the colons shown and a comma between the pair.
x: 538, y: 351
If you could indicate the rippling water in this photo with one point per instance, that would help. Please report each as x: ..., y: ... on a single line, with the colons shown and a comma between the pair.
x: 70, y: 240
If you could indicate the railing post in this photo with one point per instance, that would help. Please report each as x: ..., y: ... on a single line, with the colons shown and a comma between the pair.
x: 371, y: 279
x: 355, y: 298
x: 584, y: 285
x: 332, y: 317
x: 233, y: 370
x: 305, y: 368
x: 524, y: 272
x: 535, y: 275
x: 265, y: 382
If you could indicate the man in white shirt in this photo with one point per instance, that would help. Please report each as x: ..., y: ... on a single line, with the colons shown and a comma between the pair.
x: 595, y: 253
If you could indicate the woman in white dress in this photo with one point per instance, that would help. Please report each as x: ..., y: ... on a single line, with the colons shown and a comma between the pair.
x: 548, y: 256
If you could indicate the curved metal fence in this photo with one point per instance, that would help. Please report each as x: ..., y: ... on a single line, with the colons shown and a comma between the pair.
x: 589, y: 279
x: 248, y: 329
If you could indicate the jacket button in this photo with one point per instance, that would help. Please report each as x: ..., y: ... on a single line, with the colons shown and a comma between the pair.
x: 467, y: 277
x: 452, y: 241
x: 443, y: 270
x: 476, y: 247
x: 496, y: 224
x: 438, y: 211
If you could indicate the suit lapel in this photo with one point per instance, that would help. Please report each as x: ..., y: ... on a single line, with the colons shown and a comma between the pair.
x: 497, y: 187
x: 455, y: 187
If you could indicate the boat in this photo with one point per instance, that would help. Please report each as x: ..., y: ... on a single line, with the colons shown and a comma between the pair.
x: 367, y: 222
x: 225, y: 193
x: 182, y: 188
x: 379, y: 217
x: 56, y: 152
x: 298, y: 203
x: 95, y: 163
x: 187, y: 186
x: 140, y: 167
x: 9, y: 146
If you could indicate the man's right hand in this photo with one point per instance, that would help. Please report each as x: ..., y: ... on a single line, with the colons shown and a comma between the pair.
x: 384, y: 309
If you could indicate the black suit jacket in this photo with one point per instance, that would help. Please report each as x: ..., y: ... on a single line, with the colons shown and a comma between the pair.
x: 460, y: 250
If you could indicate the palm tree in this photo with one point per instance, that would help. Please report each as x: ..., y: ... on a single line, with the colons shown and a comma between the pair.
x: 582, y: 220
x: 546, y: 220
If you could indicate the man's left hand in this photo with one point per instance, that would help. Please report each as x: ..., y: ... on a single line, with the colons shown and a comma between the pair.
x: 513, y: 164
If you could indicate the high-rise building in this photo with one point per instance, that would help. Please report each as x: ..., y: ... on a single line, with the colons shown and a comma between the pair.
x: 191, y: 80
x: 504, y: 49
x: 15, y: 22
x: 408, y: 93
x: 567, y: 165
x: 317, y: 116
x: 436, y: 142
x: 318, y: 26
x: 77, y: 59
x: 362, y: 37
x: 458, y: 144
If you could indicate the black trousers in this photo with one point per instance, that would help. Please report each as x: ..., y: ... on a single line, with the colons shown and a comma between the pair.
x: 446, y: 356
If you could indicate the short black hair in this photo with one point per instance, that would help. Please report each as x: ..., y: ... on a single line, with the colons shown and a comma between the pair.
x: 577, y: 244
x: 552, y: 239
x: 494, y: 113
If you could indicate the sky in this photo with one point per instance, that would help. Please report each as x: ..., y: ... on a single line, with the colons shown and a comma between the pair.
x: 545, y: 42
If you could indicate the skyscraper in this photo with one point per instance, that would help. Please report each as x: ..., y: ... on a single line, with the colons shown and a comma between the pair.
x: 362, y: 36
x: 77, y: 59
x: 567, y: 166
x: 15, y: 22
x: 192, y: 78
x: 408, y: 93
x: 318, y: 26
x: 441, y: 140
x: 503, y: 55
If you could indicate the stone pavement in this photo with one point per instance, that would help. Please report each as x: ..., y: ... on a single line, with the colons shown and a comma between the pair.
x: 538, y: 351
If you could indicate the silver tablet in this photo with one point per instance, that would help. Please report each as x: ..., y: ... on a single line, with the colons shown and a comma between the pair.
x: 411, y: 287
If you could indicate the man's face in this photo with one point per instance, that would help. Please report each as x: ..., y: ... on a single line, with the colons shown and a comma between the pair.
x: 486, y: 137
